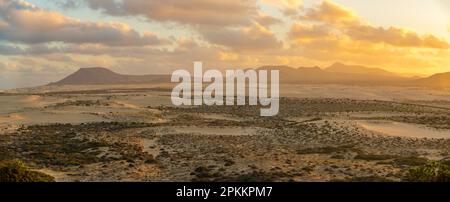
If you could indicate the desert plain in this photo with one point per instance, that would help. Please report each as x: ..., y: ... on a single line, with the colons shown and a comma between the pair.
x: 132, y: 132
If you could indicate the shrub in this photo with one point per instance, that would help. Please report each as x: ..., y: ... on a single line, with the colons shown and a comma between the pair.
x: 16, y: 171
x: 431, y: 172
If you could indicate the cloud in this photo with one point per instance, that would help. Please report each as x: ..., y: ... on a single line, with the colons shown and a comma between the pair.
x: 300, y: 31
x: 192, y: 12
x: 345, y: 22
x: 252, y: 38
x: 23, y: 22
x: 68, y: 4
x: 396, y: 37
x: 6, y: 49
x: 267, y: 20
x: 186, y: 43
x: 330, y: 12
x: 210, y: 19
x: 287, y: 7
x: 228, y: 56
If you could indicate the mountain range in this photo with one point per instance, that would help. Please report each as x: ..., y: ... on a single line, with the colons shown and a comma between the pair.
x: 337, y: 73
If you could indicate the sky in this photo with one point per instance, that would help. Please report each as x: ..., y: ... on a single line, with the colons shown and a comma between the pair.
x: 44, y: 40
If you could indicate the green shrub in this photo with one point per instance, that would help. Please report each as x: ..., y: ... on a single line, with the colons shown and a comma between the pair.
x: 16, y: 171
x: 431, y: 172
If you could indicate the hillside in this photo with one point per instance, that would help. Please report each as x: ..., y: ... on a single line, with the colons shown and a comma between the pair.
x: 100, y: 75
x: 441, y: 80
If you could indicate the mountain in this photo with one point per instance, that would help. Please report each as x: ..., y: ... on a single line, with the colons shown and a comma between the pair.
x: 294, y: 75
x: 441, y: 80
x: 337, y: 74
x: 358, y: 69
x: 356, y: 75
x: 100, y: 75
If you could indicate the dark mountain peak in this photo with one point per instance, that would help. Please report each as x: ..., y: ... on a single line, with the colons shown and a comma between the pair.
x: 101, y: 75
x: 85, y: 71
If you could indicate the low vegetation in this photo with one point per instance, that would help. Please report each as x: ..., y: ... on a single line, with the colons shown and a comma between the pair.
x: 431, y: 172
x: 410, y: 161
x: 16, y: 171
x: 325, y: 150
x: 374, y: 157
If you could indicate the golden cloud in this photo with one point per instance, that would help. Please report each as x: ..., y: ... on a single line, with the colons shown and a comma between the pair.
x: 345, y: 22
x: 288, y: 7
x: 267, y: 20
x: 253, y: 38
x: 330, y: 12
x: 396, y: 37
x: 186, y: 43
x: 28, y: 24
x: 300, y: 31
x: 193, y: 12
x: 228, y: 56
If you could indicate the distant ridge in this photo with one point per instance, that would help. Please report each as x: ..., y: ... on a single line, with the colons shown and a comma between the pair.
x: 100, y: 75
x: 337, y: 73
x: 358, y: 69
x: 441, y: 80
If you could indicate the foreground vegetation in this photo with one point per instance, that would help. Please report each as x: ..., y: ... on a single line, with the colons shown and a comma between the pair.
x: 16, y: 171
x: 431, y: 172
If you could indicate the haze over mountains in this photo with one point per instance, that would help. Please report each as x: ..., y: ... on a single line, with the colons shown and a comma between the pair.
x: 358, y: 69
x: 337, y: 73
x: 441, y: 80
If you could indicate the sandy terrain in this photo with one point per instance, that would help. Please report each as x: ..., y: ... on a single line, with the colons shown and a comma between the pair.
x: 133, y: 133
